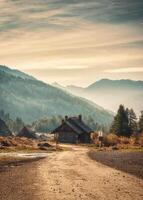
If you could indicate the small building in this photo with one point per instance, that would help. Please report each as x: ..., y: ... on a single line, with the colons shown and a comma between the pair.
x: 4, y: 130
x: 73, y: 130
x: 27, y: 132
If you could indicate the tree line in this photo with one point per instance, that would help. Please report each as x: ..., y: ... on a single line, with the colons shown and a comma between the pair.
x: 125, y: 122
x: 15, y: 125
x: 46, y: 124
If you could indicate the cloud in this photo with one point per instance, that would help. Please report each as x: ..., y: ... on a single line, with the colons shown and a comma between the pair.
x: 95, y: 36
x: 42, y: 14
x: 125, y: 70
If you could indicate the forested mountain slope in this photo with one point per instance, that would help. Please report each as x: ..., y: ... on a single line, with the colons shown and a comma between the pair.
x: 31, y: 99
x: 15, y: 72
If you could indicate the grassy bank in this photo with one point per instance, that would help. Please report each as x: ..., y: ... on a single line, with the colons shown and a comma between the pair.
x: 129, y: 160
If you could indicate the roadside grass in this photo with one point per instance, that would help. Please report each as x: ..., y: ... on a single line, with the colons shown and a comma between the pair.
x: 10, y: 159
x: 24, y: 150
x: 118, y: 148
x: 131, y: 149
x: 126, y: 160
x: 33, y: 150
x: 7, y: 162
x: 28, y: 150
x: 25, y: 145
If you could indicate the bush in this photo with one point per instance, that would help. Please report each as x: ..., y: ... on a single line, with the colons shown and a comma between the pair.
x: 121, y: 142
x: 16, y: 142
x: 111, y: 140
x: 140, y: 140
x: 124, y: 140
x: 94, y: 137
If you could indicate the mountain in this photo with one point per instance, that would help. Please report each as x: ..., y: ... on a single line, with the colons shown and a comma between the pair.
x: 31, y: 99
x: 116, y: 84
x: 110, y: 93
x: 15, y: 72
x: 57, y: 85
x: 75, y: 89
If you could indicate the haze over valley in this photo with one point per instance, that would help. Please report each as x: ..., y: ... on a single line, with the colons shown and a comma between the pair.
x: 110, y: 93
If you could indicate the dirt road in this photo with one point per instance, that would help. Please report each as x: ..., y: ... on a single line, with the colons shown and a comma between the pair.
x: 68, y: 175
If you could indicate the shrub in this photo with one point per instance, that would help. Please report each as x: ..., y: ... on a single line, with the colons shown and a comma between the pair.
x: 94, y: 138
x: 124, y: 140
x: 132, y: 140
x: 111, y: 140
x: 140, y: 140
x: 16, y: 142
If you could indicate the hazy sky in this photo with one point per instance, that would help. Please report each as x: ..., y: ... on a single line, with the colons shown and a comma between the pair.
x: 73, y: 41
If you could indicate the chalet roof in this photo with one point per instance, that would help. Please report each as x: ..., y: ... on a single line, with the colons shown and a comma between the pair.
x: 27, y: 132
x: 77, y: 125
x: 74, y: 127
x: 80, y: 124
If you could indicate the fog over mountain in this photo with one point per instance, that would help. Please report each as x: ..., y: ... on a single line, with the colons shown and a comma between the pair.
x: 24, y: 96
x: 110, y: 93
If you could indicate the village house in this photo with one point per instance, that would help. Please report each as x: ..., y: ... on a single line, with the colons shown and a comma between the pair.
x: 73, y: 130
x: 27, y: 132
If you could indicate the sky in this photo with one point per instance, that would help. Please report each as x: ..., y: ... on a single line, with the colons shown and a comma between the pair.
x: 73, y: 41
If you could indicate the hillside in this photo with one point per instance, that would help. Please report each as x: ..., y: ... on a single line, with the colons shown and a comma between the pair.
x: 15, y: 72
x: 110, y: 93
x: 31, y: 99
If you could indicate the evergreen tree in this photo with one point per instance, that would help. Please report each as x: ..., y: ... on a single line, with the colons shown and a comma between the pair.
x: 132, y: 121
x: 141, y: 123
x: 18, y: 124
x: 2, y: 114
x: 120, y: 125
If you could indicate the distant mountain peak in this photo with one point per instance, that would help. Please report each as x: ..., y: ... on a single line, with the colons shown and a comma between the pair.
x: 115, y: 83
x: 111, y: 93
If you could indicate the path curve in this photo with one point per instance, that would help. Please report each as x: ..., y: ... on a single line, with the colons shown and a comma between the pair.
x: 68, y: 175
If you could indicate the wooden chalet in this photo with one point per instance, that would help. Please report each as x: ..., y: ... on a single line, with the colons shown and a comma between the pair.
x: 73, y: 130
x: 27, y: 132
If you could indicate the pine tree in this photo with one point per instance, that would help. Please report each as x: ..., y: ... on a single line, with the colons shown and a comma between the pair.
x: 141, y: 123
x: 132, y: 121
x: 18, y: 124
x: 120, y: 124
